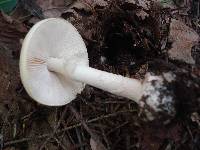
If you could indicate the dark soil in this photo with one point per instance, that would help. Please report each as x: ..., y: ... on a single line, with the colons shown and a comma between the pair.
x: 118, y: 41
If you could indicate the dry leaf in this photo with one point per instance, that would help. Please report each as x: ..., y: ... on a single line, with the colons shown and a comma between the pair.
x: 52, y: 13
x: 130, y: 1
x: 195, y: 117
x: 11, y: 33
x: 144, y: 4
x: 94, y: 3
x: 141, y: 3
x: 142, y: 14
x: 96, y: 145
x: 166, y: 3
x: 81, y: 6
x: 8, y: 18
x: 53, y: 8
x: 183, y: 38
x: 49, y: 4
x: 34, y: 20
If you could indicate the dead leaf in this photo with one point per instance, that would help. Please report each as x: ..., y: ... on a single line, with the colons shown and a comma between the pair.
x: 81, y: 5
x: 8, y: 18
x: 166, y: 3
x: 142, y: 14
x: 94, y: 3
x: 195, y: 117
x: 11, y: 33
x: 96, y: 145
x: 53, y: 8
x: 145, y: 4
x: 19, y: 26
x: 130, y: 1
x: 49, y: 4
x: 34, y: 20
x: 183, y: 38
x: 52, y: 13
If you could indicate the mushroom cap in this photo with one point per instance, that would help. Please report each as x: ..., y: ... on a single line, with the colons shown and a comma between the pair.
x: 51, y: 38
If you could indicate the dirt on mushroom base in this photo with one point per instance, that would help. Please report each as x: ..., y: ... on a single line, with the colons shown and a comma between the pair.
x: 117, y: 122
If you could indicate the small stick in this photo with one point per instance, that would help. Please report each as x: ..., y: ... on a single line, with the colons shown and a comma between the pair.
x: 8, y: 143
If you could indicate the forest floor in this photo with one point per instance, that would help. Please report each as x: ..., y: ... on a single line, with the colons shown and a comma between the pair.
x: 127, y: 37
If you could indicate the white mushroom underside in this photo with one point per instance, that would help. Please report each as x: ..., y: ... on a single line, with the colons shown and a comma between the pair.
x: 51, y: 38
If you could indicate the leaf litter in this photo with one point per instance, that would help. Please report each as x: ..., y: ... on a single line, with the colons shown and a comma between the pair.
x: 183, y: 38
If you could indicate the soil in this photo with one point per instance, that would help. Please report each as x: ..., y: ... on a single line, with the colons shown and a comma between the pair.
x: 122, y: 38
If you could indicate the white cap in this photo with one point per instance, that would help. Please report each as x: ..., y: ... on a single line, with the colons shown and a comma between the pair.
x: 51, y: 38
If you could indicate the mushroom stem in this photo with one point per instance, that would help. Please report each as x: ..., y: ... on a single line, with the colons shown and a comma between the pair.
x: 115, y: 84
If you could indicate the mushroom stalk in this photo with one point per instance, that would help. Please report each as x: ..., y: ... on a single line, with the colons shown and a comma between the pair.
x: 115, y: 84
x: 65, y: 55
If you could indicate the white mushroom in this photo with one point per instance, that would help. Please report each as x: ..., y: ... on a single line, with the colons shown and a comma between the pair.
x: 54, y: 67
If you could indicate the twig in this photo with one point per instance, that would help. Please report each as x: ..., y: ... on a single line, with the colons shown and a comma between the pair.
x: 60, y: 143
x: 78, y: 117
x: 92, y: 134
x: 105, y: 138
x: 25, y: 140
x: 114, y: 129
x: 128, y: 142
x: 79, y: 137
x: 8, y: 143
x: 55, y: 129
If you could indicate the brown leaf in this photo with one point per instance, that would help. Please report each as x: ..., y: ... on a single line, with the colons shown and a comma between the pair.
x: 142, y: 14
x: 166, y: 3
x: 49, y: 4
x: 96, y: 145
x: 141, y: 3
x: 130, y: 1
x: 81, y: 5
x: 53, y: 8
x: 95, y: 3
x: 11, y: 34
x: 183, y: 38
x: 34, y: 20
x: 7, y: 18
x: 12, y: 21
x: 52, y: 13
x: 195, y: 117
